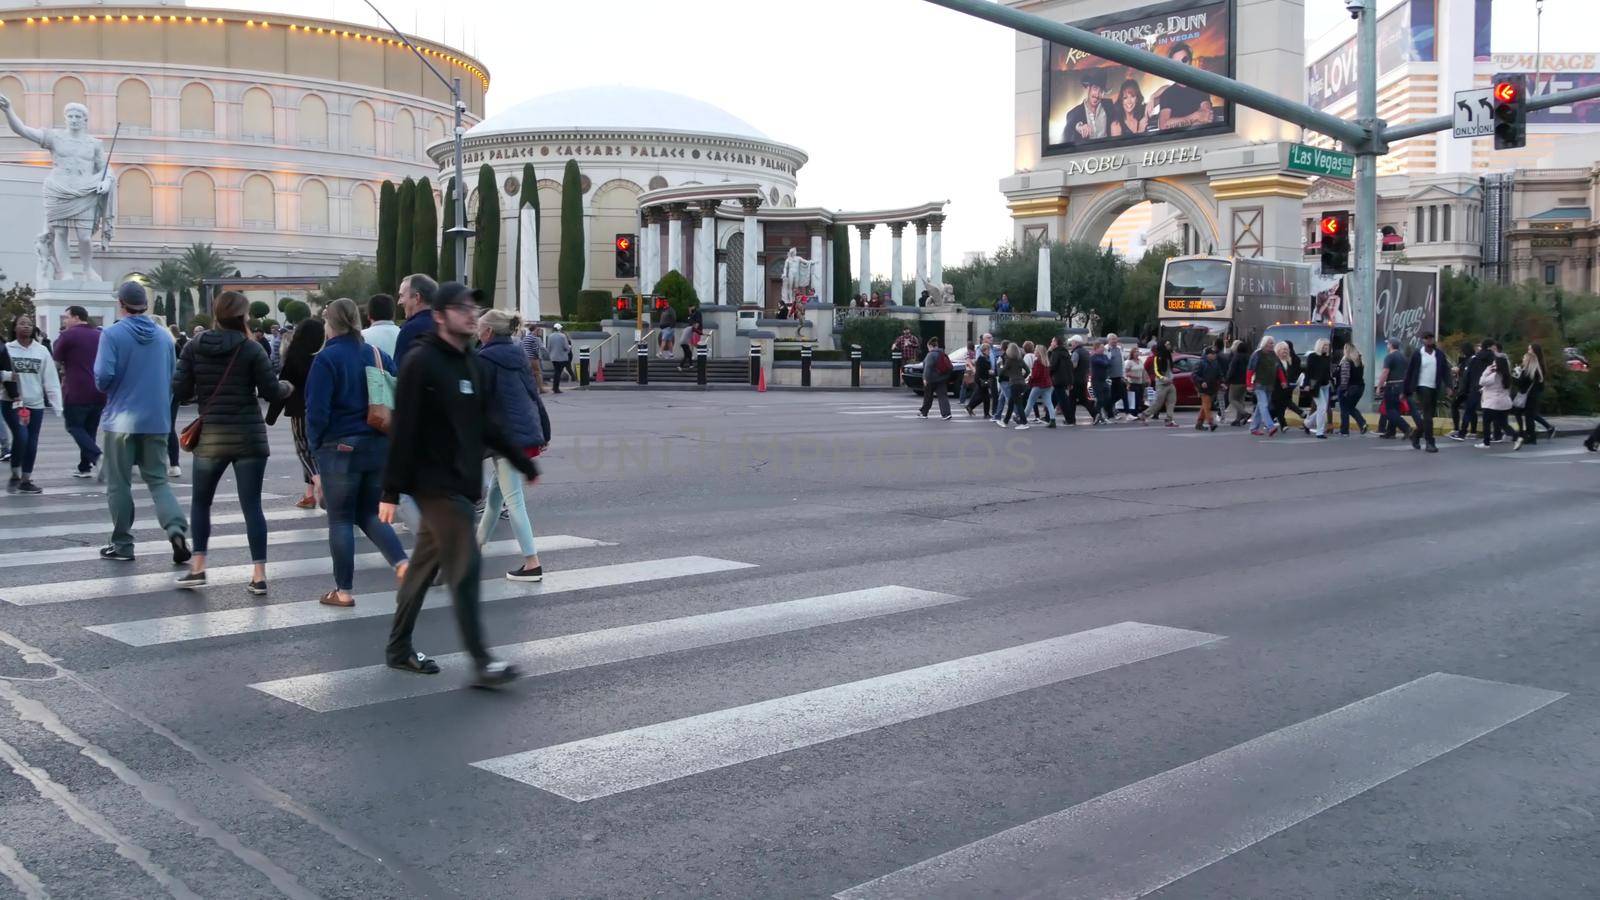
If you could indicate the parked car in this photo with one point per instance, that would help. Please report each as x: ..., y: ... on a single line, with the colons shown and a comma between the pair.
x: 911, y: 373
x: 1576, y: 361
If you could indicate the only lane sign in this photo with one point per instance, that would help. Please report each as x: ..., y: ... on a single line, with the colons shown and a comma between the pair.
x: 1474, y: 114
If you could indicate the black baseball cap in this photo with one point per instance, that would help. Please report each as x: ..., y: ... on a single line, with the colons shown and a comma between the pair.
x: 454, y: 293
x: 132, y: 296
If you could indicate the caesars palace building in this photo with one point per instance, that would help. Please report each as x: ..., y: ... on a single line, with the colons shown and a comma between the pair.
x: 267, y: 136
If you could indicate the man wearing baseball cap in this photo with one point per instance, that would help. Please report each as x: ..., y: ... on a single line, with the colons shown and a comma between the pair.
x: 133, y: 365
x: 440, y: 425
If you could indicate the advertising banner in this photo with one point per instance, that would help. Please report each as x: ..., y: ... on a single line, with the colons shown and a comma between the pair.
x: 1408, y: 305
x: 1091, y: 102
x: 1405, y: 34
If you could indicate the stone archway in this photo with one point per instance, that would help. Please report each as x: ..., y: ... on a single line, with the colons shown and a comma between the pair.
x: 1088, y: 219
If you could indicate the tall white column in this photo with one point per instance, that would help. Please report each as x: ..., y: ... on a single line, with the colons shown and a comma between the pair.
x: 588, y: 248
x: 922, y: 256
x: 827, y: 275
x: 721, y: 298
x: 649, y: 252
x: 866, y: 259
x: 897, y: 286
x: 705, y: 265
x: 1043, y: 286
x: 675, y: 216
x: 754, y: 282
x: 815, y: 231
x: 935, y: 257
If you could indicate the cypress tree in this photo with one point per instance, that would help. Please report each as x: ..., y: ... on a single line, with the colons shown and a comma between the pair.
x: 424, y: 255
x: 843, y: 287
x: 407, y: 216
x: 486, y: 246
x: 388, y: 221
x: 447, y: 249
x: 569, y: 268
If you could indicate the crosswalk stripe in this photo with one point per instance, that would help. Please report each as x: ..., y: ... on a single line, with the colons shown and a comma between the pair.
x: 123, y: 585
x: 1151, y: 833
x: 218, y: 542
x: 146, y: 523
x: 1535, y: 454
x: 45, y: 507
x: 250, y: 620
x: 350, y: 688
x: 625, y: 760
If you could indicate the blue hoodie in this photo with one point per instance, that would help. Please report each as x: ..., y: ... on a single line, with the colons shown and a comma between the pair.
x: 134, y: 367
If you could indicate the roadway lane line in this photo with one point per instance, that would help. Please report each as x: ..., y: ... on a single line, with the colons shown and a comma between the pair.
x: 625, y: 760
x: 149, y: 525
x: 161, y: 547
x: 1143, y: 837
x: 255, y: 619
x: 351, y: 688
x: 157, y: 582
x: 46, y: 508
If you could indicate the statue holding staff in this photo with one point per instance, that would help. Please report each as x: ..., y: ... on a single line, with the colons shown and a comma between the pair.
x: 78, y: 192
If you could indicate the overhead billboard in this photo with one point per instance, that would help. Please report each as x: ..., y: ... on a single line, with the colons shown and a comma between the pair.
x: 1405, y: 34
x: 1091, y: 102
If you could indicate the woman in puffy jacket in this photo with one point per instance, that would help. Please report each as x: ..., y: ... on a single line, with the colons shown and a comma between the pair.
x: 227, y: 374
x: 515, y: 406
x: 1495, y: 398
x: 350, y: 453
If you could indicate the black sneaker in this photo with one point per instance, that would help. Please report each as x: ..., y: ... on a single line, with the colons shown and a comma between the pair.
x: 1456, y: 436
x: 111, y: 552
x: 1416, y: 440
x: 83, y: 473
x: 495, y: 674
x: 189, y: 581
x: 417, y: 662
x: 259, y: 588
x: 28, y: 487
x: 180, y: 549
x: 922, y: 415
x: 523, y: 573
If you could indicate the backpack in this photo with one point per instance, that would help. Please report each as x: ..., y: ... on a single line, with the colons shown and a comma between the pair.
x: 941, y: 366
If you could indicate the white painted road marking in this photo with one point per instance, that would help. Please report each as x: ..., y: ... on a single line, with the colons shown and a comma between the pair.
x: 146, y: 523
x: 625, y: 760
x: 351, y: 688
x: 161, y: 547
x: 1142, y: 837
x: 47, y: 508
x: 157, y: 582
x: 249, y: 620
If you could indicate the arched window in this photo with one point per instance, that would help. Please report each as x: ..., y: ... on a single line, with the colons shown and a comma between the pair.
x: 67, y: 90
x: 403, y: 140
x: 13, y: 89
x: 133, y: 103
x: 437, y: 130
x: 364, y: 210
x: 313, y: 120
x: 313, y: 206
x: 260, y: 208
x: 134, y: 204
x: 657, y: 182
x: 363, y: 133
x: 198, y: 203
x: 195, y: 109
x: 257, y: 119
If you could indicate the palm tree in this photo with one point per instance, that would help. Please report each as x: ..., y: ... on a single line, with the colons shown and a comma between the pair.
x: 199, y: 262
x: 168, y: 279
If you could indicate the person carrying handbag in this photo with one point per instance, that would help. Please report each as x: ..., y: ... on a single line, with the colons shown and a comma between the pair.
x: 227, y: 373
x: 347, y: 403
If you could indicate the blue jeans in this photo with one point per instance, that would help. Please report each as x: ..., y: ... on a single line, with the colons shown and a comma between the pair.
x: 83, y: 420
x: 1261, y: 418
x: 352, y: 484
x: 248, y: 471
x: 505, y: 485
x: 24, y: 439
x: 1005, y: 401
x: 1393, y: 422
x: 1040, y: 395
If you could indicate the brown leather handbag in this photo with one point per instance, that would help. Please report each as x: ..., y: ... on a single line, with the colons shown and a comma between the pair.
x: 189, y: 437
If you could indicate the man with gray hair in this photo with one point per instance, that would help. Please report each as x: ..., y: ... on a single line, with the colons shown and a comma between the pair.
x: 1391, y: 382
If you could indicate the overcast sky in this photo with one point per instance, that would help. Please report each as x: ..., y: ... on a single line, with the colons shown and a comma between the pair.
x: 897, y: 101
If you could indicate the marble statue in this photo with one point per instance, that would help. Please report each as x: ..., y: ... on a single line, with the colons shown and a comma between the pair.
x: 941, y: 294
x: 78, y: 192
x: 796, y: 275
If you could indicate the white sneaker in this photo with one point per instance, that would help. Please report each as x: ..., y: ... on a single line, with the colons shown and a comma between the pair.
x: 1021, y: 427
x: 174, y: 472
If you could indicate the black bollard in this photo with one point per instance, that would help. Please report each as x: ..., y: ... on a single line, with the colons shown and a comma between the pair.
x: 805, y: 366
x: 643, y: 353
x: 583, y: 366
x: 855, y: 365
x: 755, y: 364
x: 700, y: 365
x: 894, y: 367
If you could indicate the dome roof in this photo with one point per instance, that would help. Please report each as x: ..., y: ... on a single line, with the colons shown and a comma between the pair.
x: 616, y: 108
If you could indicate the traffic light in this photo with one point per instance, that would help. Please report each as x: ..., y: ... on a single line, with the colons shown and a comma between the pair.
x: 661, y: 304
x: 1510, y: 113
x: 1335, y: 231
x: 627, y: 261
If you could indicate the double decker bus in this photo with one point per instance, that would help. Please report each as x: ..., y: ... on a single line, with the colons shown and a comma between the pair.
x: 1207, y: 297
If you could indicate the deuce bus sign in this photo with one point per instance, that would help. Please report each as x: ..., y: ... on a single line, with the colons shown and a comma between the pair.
x: 1192, y: 304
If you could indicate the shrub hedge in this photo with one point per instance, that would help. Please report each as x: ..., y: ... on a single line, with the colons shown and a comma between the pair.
x: 875, y: 335
x: 1040, y: 331
x: 593, y: 306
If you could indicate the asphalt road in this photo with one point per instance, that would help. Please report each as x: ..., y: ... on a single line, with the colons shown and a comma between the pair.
x: 806, y: 645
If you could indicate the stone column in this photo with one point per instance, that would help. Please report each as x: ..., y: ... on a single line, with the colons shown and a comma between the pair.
x: 922, y: 256
x: 676, y: 213
x: 935, y: 254
x: 866, y: 259
x: 755, y: 293
x: 897, y: 286
x: 705, y: 267
x: 814, y: 230
x: 1043, y: 285
x: 719, y: 291
x: 588, y: 248
x: 649, y: 250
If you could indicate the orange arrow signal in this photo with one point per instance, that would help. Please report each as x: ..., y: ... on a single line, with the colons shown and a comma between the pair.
x: 1505, y: 92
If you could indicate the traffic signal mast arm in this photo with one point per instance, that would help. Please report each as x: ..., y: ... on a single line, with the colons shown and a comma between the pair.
x: 1440, y: 123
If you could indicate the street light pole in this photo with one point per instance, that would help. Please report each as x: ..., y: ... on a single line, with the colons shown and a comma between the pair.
x: 1365, y: 233
x: 460, y: 233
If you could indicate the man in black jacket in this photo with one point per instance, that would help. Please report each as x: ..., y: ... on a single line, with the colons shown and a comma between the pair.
x: 1080, y: 383
x: 1427, y: 376
x: 436, y: 439
x: 1469, y: 410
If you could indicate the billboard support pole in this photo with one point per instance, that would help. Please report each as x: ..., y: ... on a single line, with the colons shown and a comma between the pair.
x: 1363, y: 299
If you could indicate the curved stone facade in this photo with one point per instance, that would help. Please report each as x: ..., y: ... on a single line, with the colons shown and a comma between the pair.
x: 265, y: 135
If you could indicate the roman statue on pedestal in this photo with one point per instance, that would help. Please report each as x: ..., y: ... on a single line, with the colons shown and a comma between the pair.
x: 78, y: 193
x: 796, y: 275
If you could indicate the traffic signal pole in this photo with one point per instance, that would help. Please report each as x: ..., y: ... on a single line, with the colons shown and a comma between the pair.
x: 1364, y: 237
